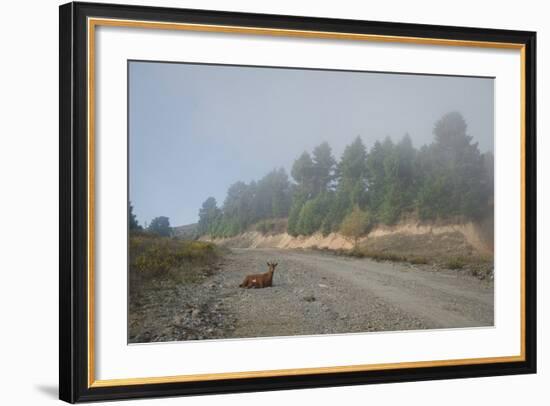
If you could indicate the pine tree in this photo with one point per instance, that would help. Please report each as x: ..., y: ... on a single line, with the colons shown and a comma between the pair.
x: 133, y: 224
x: 209, y: 215
x: 302, y: 172
x: 160, y: 226
x: 323, y: 168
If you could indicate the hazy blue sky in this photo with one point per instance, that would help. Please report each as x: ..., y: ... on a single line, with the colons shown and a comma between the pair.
x: 196, y: 129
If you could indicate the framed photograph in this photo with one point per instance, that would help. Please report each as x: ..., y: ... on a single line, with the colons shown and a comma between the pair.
x: 258, y: 202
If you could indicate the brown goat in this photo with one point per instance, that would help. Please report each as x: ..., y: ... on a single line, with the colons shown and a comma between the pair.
x: 261, y: 280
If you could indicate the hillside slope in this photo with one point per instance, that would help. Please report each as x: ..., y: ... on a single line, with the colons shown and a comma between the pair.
x: 410, y: 238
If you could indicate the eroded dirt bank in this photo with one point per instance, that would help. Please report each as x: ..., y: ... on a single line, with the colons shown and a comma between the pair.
x: 412, y: 237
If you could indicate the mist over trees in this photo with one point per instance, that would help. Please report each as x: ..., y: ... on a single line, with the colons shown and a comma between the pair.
x: 246, y: 204
x: 448, y: 178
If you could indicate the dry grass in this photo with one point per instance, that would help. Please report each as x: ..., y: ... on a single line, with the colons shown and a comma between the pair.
x: 455, y: 263
x: 154, y: 259
x: 363, y: 253
x: 382, y: 256
x: 477, y: 266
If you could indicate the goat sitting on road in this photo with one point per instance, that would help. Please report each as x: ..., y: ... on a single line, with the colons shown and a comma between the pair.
x: 261, y: 280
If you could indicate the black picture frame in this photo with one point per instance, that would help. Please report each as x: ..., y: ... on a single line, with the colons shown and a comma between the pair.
x: 74, y: 199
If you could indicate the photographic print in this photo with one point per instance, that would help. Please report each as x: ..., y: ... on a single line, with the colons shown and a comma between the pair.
x: 353, y: 200
x: 269, y: 202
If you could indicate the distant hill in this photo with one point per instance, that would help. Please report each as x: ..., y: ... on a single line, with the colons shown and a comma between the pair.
x: 185, y: 232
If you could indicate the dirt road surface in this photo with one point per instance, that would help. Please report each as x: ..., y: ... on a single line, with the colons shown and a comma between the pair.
x: 316, y: 293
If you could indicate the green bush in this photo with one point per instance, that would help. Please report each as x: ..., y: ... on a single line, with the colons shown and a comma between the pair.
x: 355, y: 224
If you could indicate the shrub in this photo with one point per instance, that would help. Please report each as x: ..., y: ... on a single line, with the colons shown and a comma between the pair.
x: 355, y: 224
x: 418, y: 260
x: 455, y: 263
x: 153, y: 257
x: 385, y: 256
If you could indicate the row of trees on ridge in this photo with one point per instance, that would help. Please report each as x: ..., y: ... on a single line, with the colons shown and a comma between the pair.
x: 449, y: 178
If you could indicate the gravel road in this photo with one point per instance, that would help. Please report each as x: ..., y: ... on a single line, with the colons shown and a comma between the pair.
x: 318, y: 293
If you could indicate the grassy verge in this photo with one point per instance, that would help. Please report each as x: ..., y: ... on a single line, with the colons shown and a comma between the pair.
x: 156, y: 259
x: 480, y: 267
x: 381, y: 256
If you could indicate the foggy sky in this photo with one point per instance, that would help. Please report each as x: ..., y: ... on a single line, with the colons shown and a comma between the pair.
x: 196, y: 129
